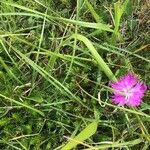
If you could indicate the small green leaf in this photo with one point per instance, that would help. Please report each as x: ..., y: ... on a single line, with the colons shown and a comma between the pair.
x: 37, y: 98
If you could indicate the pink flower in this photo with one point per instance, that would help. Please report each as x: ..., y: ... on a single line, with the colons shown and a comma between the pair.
x: 128, y: 90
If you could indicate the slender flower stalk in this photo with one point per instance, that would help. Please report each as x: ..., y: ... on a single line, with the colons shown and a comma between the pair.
x: 128, y: 90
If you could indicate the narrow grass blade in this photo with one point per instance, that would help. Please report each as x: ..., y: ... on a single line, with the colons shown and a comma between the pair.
x: 82, y: 136
x: 99, y: 26
x: 10, y: 73
x: 39, y: 47
x: 22, y: 104
x: 5, y: 49
x: 21, y: 7
x: 93, y: 12
x: 23, y: 14
x: 117, y: 144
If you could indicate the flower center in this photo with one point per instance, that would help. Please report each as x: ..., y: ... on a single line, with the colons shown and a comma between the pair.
x: 128, y: 93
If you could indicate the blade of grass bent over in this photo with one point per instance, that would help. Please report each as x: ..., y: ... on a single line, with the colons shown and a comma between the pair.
x: 100, y: 26
x: 102, y: 65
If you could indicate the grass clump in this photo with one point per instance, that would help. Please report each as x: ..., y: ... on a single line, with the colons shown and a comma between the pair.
x: 56, y: 57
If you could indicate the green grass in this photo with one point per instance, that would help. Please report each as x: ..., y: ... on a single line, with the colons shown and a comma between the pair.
x: 57, y: 59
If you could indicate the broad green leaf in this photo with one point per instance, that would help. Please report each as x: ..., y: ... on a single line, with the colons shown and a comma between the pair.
x: 82, y: 136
